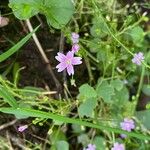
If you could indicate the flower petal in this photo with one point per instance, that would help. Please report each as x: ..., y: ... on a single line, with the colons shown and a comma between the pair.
x: 76, y: 61
x: 61, y: 57
x: 70, y: 70
x: 70, y: 55
x: 61, y: 66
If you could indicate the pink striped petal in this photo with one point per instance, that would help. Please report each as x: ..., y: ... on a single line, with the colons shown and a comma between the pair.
x: 70, y: 70
x: 61, y: 66
x: 76, y: 61
x: 61, y: 57
x: 69, y: 55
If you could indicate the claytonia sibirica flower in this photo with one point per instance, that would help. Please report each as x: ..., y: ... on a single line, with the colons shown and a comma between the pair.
x: 75, y: 48
x: 22, y: 128
x: 118, y: 146
x: 127, y: 124
x: 75, y: 38
x: 123, y: 136
x: 67, y: 62
x: 90, y: 147
x: 138, y: 58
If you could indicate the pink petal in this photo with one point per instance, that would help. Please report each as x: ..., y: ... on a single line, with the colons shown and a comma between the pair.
x: 22, y: 128
x: 69, y: 55
x: 70, y: 70
x: 76, y: 61
x: 61, y: 57
x: 75, y: 48
x: 61, y: 66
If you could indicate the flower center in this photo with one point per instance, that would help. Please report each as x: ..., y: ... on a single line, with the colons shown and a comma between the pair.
x: 68, y: 62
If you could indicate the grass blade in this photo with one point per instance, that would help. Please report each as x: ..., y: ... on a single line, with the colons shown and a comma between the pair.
x: 8, y: 97
x: 17, y: 46
x: 48, y: 115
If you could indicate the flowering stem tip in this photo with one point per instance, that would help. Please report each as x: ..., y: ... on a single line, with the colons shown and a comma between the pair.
x: 67, y: 62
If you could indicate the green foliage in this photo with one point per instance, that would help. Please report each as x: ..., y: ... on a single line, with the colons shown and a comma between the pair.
x: 86, y: 91
x: 77, y: 128
x: 57, y: 12
x: 144, y: 118
x: 7, y: 96
x: 146, y: 89
x: 56, y: 136
x: 99, y: 28
x: 87, y: 108
x: 17, y: 46
x: 110, y: 35
x: 137, y: 35
x: 62, y: 145
x: 83, y: 139
x: 48, y: 115
x: 121, y: 96
x: 24, y: 9
x: 105, y: 91
x: 99, y: 142
x: 117, y: 84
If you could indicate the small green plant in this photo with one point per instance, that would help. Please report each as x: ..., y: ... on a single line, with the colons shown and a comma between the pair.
x: 110, y: 43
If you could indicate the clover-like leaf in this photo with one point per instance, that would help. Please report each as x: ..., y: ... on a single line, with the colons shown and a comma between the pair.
x: 87, y: 108
x: 86, y: 91
x: 105, y: 91
x: 24, y: 9
x: 58, y: 12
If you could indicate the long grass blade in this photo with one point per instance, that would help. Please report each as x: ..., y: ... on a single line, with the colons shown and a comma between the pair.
x: 17, y: 46
x: 48, y: 115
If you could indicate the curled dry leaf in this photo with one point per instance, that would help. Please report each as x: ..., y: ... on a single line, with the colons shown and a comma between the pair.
x: 3, y: 21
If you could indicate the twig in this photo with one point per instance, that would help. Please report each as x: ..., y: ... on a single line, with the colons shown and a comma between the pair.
x: 61, y: 49
x: 46, y: 60
x: 7, y: 124
x: 17, y: 141
x: 9, y: 142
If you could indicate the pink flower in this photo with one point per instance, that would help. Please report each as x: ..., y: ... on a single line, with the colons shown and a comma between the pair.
x: 138, y: 58
x: 75, y: 48
x: 75, y: 37
x: 118, y: 146
x: 127, y: 124
x: 22, y: 128
x: 67, y: 61
x: 123, y: 136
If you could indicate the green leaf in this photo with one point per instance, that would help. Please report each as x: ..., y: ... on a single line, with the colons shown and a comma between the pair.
x: 121, y: 103
x: 17, y: 46
x: 31, y: 91
x: 143, y: 116
x: 87, y: 108
x: 137, y: 35
x: 83, y: 139
x: 48, y: 115
x: 121, y: 96
x: 77, y: 128
x: 117, y: 84
x: 105, y: 91
x: 86, y: 91
x: 25, y: 9
x: 57, y: 135
x: 62, y: 145
x: 99, y: 28
x: 7, y: 97
x: 58, y: 12
x: 146, y: 89
x: 99, y: 142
